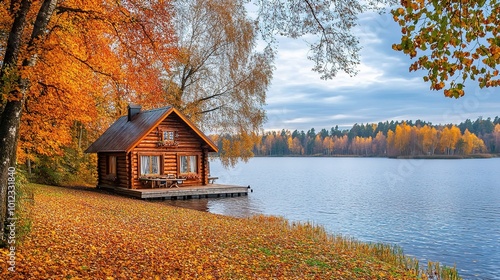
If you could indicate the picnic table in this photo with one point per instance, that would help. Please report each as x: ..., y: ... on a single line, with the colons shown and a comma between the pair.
x: 174, y: 182
x: 169, y: 182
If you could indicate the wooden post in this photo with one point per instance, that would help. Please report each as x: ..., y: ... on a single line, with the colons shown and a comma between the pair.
x: 205, y: 168
x: 130, y: 174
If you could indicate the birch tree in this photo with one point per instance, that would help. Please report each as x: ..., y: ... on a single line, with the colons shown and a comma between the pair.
x: 218, y: 79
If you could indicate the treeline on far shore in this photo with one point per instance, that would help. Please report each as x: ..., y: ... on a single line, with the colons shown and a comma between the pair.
x: 407, y: 139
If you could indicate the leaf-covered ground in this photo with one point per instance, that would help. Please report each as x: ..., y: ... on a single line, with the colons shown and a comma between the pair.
x: 86, y: 234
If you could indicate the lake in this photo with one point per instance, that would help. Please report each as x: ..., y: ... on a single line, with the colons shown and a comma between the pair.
x: 446, y: 211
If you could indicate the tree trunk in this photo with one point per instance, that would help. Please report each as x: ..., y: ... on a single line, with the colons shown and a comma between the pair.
x: 9, y: 130
x: 29, y: 167
x: 11, y: 113
x: 80, y: 135
x: 12, y: 51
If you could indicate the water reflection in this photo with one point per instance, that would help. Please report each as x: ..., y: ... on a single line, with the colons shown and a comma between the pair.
x: 438, y: 210
x: 239, y: 207
x: 195, y: 204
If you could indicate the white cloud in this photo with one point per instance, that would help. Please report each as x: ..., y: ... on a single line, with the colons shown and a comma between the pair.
x: 300, y: 120
x: 382, y: 90
x: 339, y: 117
x: 334, y: 99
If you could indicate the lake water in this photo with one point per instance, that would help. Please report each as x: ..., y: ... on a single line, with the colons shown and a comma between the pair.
x: 440, y: 210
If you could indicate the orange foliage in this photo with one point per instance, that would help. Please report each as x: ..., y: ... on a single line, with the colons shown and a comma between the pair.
x: 96, y: 57
x: 496, y: 134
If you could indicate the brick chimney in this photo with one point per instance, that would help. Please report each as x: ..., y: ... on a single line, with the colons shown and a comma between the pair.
x: 133, y: 109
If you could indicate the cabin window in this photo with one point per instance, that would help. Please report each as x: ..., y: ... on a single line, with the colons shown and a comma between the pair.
x: 112, y: 165
x: 188, y: 164
x: 150, y: 165
x: 168, y: 135
x: 167, y: 139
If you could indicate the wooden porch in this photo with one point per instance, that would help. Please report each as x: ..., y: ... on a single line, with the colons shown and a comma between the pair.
x: 207, y: 191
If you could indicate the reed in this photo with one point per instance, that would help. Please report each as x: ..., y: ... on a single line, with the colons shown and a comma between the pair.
x: 390, y: 254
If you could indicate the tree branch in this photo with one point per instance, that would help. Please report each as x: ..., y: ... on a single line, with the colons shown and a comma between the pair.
x: 88, y: 64
x: 323, y: 30
x: 210, y: 110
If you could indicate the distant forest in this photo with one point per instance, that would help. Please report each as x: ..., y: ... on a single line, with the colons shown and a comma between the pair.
x: 395, y: 138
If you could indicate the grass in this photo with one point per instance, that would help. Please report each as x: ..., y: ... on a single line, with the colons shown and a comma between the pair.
x: 84, y: 233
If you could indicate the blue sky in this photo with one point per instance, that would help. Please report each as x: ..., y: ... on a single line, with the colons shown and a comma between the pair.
x: 382, y: 90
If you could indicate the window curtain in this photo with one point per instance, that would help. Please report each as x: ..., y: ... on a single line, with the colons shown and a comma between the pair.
x: 150, y: 165
x: 155, y: 165
x: 112, y: 165
x: 183, y: 164
x: 188, y: 164
x: 192, y: 164
x: 145, y: 165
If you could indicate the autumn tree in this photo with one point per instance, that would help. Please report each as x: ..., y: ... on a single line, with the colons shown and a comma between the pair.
x: 328, y: 145
x: 13, y: 85
x: 379, y: 144
x: 410, y: 139
x: 449, y: 139
x: 454, y: 41
x: 341, y: 144
x: 361, y: 145
x: 318, y: 145
x: 471, y: 143
x: 57, y: 56
x: 429, y: 139
x: 402, y: 138
x: 496, y: 135
x: 218, y: 79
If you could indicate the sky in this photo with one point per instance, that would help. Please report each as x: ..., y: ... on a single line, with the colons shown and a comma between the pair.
x: 382, y: 90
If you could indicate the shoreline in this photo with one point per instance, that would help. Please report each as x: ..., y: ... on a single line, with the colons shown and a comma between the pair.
x: 472, y: 156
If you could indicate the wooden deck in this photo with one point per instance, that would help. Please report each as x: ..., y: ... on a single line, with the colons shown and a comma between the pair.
x: 208, y: 191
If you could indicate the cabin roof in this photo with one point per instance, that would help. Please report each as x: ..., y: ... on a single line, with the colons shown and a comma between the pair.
x: 123, y: 135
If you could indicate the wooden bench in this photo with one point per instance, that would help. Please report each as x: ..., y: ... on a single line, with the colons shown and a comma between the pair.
x: 167, y: 182
x: 212, y: 179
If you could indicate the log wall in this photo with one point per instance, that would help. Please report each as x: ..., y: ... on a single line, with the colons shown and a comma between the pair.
x: 121, y: 178
x: 188, y: 143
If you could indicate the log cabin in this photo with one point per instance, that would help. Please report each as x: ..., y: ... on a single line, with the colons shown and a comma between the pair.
x: 158, y: 143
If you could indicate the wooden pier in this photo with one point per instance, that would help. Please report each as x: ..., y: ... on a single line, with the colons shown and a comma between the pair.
x: 207, y: 191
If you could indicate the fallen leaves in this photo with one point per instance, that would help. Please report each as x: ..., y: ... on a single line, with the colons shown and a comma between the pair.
x: 89, y: 234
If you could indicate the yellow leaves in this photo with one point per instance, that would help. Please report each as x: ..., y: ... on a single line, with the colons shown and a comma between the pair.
x: 438, y: 86
x: 397, y: 47
x: 120, y: 238
x: 428, y: 139
x: 454, y: 92
x: 463, y: 40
